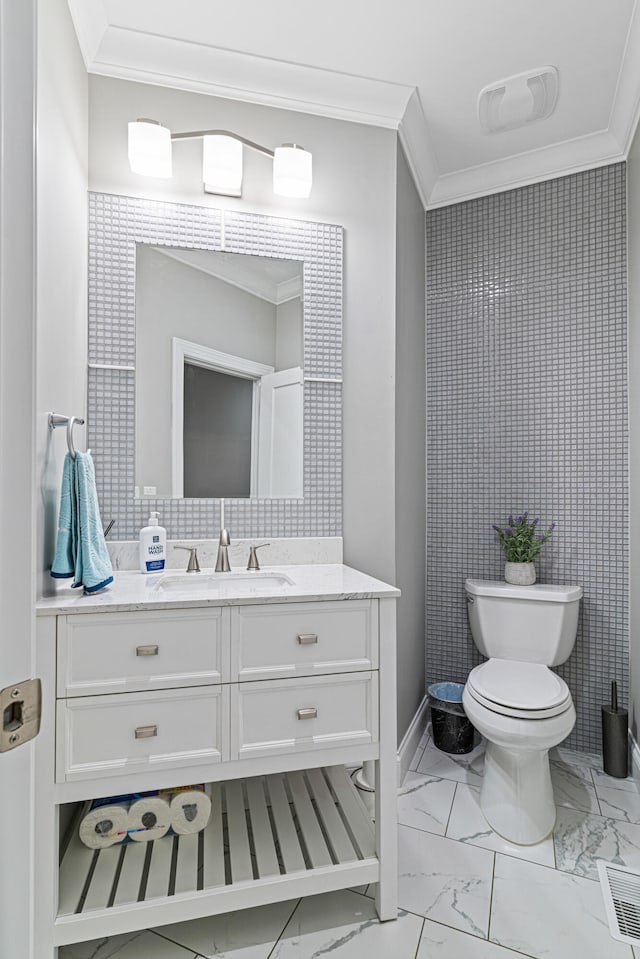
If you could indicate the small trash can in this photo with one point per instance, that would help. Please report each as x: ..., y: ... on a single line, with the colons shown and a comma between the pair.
x: 451, y: 730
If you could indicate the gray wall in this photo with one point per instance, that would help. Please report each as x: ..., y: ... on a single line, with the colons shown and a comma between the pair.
x: 354, y: 185
x: 409, y: 449
x: 526, y: 373
x: 289, y: 339
x: 633, y: 206
x: 61, y: 344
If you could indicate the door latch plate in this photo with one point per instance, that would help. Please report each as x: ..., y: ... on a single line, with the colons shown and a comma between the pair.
x: 20, y: 711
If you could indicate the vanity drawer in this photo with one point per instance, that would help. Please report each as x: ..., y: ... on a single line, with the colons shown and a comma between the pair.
x: 303, y: 639
x: 122, y: 652
x: 289, y: 716
x: 134, y: 732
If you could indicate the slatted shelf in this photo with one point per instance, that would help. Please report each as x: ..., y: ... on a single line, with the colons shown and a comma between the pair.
x: 262, y: 830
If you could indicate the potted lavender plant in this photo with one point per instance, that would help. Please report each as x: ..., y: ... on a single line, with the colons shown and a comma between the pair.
x: 522, y: 542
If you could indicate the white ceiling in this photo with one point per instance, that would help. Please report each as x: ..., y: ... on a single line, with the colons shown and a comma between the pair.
x: 412, y: 65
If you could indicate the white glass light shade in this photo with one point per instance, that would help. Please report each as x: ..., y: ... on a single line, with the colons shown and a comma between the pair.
x: 222, y: 165
x: 150, y: 148
x: 292, y: 171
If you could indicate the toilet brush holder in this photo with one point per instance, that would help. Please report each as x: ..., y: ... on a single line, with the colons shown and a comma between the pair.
x: 615, y: 741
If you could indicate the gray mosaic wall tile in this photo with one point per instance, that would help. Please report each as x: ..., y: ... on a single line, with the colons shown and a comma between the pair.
x: 116, y: 224
x: 526, y: 409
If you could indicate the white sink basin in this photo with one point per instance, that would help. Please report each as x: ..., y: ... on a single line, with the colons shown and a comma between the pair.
x: 207, y: 583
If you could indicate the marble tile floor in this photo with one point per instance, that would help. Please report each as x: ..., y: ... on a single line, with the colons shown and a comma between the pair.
x: 464, y: 892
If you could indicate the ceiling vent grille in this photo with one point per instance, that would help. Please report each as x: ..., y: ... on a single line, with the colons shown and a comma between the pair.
x: 621, y: 893
x: 518, y: 100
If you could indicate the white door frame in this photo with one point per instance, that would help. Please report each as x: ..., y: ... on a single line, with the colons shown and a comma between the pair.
x: 199, y: 355
x: 17, y: 441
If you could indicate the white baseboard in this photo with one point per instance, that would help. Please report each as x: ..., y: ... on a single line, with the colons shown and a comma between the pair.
x: 406, y: 749
x: 411, y: 738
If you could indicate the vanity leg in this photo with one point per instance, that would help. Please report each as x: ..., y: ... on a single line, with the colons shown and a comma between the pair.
x: 386, y: 772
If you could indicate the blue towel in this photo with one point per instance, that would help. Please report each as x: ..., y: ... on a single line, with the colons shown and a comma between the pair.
x: 81, y: 550
x: 64, y: 563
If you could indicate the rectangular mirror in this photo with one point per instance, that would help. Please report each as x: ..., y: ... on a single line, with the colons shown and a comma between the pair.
x: 219, y: 374
x: 150, y: 350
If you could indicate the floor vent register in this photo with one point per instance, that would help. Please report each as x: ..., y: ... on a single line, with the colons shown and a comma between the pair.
x: 621, y: 892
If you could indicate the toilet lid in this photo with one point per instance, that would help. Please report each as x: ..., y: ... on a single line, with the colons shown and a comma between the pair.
x: 526, y: 687
x: 532, y: 714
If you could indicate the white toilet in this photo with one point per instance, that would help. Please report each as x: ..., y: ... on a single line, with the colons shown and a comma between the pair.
x: 516, y: 702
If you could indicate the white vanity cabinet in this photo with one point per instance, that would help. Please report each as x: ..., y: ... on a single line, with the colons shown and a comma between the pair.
x: 266, y: 703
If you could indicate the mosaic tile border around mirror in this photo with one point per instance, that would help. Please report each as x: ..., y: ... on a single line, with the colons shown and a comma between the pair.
x: 116, y: 224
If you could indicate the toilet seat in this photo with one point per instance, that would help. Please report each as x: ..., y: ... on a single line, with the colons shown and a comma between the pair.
x: 523, y: 690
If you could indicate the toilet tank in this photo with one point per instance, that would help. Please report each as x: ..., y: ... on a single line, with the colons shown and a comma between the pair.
x: 534, y: 624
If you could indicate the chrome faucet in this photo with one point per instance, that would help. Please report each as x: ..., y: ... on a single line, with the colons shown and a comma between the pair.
x: 222, y: 562
x: 193, y: 566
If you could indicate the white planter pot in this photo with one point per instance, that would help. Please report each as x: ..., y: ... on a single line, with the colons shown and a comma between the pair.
x: 520, y: 574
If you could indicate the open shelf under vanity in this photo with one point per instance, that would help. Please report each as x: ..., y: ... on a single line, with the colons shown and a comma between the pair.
x: 269, y: 838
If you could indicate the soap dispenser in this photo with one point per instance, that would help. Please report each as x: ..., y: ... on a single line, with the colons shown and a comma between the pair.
x: 153, y: 546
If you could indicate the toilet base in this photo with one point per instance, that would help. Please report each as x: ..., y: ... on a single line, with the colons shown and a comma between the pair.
x: 516, y: 797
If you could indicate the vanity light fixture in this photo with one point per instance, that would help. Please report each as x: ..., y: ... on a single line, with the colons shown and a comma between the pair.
x: 222, y: 165
x: 150, y: 155
x: 291, y: 171
x: 150, y: 148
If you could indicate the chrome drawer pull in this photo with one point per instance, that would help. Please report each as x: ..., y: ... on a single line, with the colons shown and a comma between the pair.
x: 307, y: 639
x: 309, y: 712
x: 147, y: 650
x: 146, y: 732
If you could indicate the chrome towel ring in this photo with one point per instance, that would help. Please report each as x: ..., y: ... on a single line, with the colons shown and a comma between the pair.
x: 56, y: 419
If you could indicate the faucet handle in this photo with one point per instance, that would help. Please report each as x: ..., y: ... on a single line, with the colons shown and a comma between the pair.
x: 253, y: 557
x: 193, y: 566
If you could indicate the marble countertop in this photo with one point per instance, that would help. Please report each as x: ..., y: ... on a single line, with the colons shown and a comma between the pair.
x: 132, y: 590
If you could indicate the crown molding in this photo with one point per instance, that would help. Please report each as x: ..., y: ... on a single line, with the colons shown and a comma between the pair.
x: 625, y: 112
x: 90, y: 23
x: 289, y: 290
x: 247, y: 279
x: 414, y: 137
x: 165, y: 61
x: 548, y: 163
